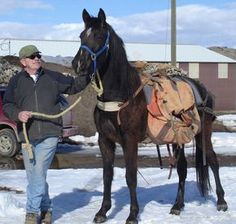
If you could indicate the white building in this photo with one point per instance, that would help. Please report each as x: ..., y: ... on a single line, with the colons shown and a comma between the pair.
x: 135, y: 51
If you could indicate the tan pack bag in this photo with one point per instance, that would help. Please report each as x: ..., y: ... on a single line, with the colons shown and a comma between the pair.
x: 173, y: 116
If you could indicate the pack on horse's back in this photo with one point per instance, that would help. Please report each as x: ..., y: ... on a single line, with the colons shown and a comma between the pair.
x: 172, y: 114
x: 121, y: 116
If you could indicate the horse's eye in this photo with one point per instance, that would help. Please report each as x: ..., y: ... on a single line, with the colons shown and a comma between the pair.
x: 100, y: 37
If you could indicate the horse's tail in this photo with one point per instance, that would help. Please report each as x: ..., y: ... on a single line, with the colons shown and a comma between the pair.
x: 203, y: 142
x: 203, y: 180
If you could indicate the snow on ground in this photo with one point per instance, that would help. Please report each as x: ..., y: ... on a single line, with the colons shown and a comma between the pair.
x: 77, y: 196
x: 77, y: 193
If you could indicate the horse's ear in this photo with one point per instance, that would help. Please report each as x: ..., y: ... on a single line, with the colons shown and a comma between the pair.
x: 102, y: 16
x: 86, y: 16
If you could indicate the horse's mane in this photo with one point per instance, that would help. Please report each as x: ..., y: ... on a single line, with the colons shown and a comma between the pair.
x: 117, y: 47
x: 121, y: 68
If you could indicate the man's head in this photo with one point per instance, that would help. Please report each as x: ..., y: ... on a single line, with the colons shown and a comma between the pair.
x: 27, y: 51
x: 29, y: 56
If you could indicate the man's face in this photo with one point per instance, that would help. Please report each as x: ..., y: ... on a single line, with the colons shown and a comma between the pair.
x: 32, y: 63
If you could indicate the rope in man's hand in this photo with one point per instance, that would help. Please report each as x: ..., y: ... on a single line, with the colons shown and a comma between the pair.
x: 27, y: 144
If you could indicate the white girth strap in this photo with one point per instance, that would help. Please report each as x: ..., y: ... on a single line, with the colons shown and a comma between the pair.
x: 109, y: 106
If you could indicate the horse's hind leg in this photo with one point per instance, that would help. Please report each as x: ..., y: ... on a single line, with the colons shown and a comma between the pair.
x: 130, y: 148
x: 182, y: 173
x: 108, y: 154
x: 221, y: 203
x: 211, y: 159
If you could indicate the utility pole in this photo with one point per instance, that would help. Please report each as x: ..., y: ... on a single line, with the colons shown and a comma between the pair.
x: 173, y: 32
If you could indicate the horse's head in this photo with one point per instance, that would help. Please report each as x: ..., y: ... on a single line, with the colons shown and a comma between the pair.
x: 94, y: 44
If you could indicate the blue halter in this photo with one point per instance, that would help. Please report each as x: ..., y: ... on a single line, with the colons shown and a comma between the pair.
x: 94, y: 55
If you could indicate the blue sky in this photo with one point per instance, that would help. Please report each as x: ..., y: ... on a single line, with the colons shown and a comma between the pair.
x: 202, y: 22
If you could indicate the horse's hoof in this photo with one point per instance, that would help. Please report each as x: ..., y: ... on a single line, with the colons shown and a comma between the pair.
x: 99, y: 219
x: 131, y: 222
x: 222, y: 207
x: 176, y: 209
x: 175, y: 212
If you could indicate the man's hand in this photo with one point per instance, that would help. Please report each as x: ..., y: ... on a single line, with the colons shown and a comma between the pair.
x: 24, y: 116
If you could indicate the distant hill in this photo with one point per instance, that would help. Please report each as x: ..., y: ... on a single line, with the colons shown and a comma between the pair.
x: 228, y: 52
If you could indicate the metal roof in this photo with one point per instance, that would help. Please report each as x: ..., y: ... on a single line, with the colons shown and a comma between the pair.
x: 135, y: 51
x: 184, y: 53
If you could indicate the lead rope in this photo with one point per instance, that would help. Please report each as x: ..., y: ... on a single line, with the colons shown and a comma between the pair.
x: 27, y: 144
x: 97, y: 87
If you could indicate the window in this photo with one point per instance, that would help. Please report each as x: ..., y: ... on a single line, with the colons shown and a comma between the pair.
x: 193, y: 70
x: 222, y: 70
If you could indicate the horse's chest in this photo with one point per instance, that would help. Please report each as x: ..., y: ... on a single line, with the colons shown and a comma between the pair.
x: 106, y: 122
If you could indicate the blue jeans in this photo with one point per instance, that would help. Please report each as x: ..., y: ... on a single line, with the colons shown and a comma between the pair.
x: 36, y: 171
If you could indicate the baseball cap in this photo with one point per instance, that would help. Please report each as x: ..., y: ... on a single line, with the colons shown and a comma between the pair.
x: 27, y: 51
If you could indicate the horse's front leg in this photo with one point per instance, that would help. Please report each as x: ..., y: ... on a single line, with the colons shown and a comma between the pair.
x: 107, y: 149
x: 182, y: 173
x: 130, y: 148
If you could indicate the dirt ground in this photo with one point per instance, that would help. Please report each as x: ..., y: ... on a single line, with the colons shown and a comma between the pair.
x: 77, y: 160
x: 92, y: 161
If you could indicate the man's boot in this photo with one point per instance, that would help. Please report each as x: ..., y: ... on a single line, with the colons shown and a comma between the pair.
x: 46, y: 217
x: 31, y: 218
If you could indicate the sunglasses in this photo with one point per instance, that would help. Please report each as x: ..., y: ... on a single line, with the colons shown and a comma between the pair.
x: 33, y: 56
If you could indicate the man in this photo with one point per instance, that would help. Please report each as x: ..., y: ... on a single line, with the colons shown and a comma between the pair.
x: 38, y: 89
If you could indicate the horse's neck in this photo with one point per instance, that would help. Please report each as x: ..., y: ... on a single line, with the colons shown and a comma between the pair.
x: 115, y: 83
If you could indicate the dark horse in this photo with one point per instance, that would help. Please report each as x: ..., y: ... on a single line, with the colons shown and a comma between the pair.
x: 102, y: 52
